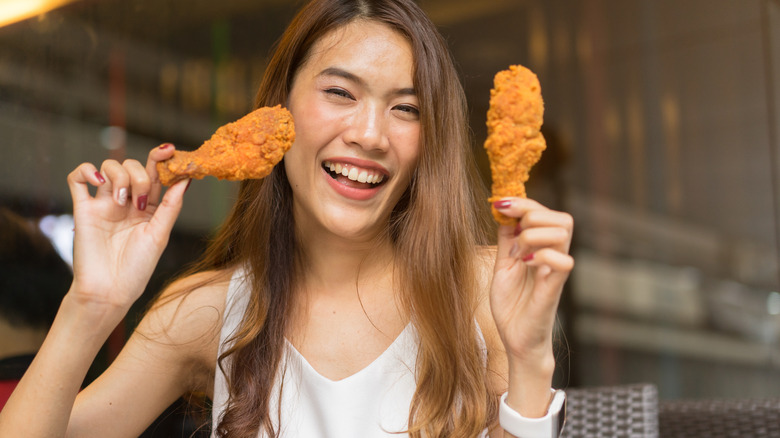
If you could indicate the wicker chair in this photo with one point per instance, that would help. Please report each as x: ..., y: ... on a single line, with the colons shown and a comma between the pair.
x: 633, y: 411
x: 720, y: 418
x: 625, y: 411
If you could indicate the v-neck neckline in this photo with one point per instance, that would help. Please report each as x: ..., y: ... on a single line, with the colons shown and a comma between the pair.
x: 374, y: 363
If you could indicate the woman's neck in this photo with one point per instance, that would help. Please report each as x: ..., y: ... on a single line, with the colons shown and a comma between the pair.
x: 346, y: 285
x: 336, y: 264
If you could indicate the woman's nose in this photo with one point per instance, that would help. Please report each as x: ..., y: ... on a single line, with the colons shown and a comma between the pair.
x: 367, y: 129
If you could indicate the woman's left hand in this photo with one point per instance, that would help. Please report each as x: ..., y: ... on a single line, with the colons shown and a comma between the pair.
x: 532, y: 265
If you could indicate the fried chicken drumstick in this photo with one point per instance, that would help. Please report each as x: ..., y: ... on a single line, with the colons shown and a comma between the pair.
x: 514, y: 143
x: 248, y: 148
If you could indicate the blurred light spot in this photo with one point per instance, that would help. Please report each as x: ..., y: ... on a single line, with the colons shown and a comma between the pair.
x: 538, y: 41
x: 773, y: 303
x: 169, y: 80
x: 670, y: 109
x: 196, y: 84
x: 584, y: 46
x: 12, y: 11
x: 612, y: 124
x: 231, y: 88
x: 113, y: 137
x: 59, y: 230
x: 562, y: 47
x: 635, y: 130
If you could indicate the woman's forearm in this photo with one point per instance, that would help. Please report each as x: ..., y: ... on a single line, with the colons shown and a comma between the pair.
x: 529, y: 387
x: 41, y: 404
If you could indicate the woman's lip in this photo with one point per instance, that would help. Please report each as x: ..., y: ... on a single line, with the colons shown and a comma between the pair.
x: 350, y: 192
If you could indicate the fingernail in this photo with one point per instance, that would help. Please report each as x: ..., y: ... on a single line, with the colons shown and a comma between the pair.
x: 142, y: 202
x: 165, y: 146
x: 513, y: 251
x: 528, y: 257
x: 188, y: 185
x: 100, y: 177
x: 122, y: 196
x: 518, y: 230
x: 502, y: 204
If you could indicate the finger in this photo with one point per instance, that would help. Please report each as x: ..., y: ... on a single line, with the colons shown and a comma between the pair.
x: 117, y: 182
x: 160, y: 153
x: 557, y: 238
x: 140, y: 183
x: 79, y: 180
x: 516, y: 243
x: 551, y: 264
x: 517, y: 207
x: 545, y: 218
x: 165, y: 216
x: 530, y: 214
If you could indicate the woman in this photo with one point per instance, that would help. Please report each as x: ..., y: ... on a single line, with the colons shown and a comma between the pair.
x: 336, y: 307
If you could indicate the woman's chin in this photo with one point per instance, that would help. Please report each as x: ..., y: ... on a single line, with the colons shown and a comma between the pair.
x: 355, y: 227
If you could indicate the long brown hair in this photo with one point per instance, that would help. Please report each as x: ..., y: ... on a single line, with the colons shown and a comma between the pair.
x: 436, y: 229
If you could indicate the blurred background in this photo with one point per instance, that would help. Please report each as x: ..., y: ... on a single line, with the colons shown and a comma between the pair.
x: 661, y: 118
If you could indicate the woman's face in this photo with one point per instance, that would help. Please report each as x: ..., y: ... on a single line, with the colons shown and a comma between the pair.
x: 357, y: 130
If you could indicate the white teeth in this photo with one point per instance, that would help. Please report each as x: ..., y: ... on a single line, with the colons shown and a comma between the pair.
x: 353, y: 173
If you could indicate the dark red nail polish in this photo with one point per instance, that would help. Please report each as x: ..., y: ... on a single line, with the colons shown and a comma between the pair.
x: 188, y: 185
x: 528, y: 257
x: 165, y: 146
x: 502, y: 204
x: 100, y: 177
x: 518, y: 230
x: 142, y: 202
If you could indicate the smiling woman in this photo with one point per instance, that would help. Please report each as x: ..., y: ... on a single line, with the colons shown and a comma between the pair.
x: 351, y: 292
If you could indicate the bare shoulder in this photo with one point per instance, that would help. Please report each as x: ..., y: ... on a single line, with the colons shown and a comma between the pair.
x: 189, y: 311
x: 497, y: 362
x: 187, y: 318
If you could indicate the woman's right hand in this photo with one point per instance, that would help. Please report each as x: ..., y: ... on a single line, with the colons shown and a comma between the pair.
x: 121, y: 231
x: 120, y: 234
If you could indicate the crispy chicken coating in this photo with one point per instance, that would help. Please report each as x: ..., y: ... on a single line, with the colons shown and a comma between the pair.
x: 248, y: 148
x: 514, y: 143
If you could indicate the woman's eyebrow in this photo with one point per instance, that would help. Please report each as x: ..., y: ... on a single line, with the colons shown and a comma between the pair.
x: 335, y: 71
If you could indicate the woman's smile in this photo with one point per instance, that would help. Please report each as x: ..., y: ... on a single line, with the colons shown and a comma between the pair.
x: 354, y: 179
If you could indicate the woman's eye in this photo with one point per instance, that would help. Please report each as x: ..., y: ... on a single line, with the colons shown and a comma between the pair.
x: 338, y: 92
x: 408, y: 109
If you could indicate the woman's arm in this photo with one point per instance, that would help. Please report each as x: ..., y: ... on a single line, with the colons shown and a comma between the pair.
x: 532, y: 265
x: 120, y: 234
x: 172, y: 351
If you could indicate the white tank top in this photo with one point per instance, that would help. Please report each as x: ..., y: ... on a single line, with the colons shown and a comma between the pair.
x: 372, y: 403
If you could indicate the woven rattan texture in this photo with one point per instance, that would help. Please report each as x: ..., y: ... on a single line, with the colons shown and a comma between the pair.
x: 720, y: 418
x: 627, y: 411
